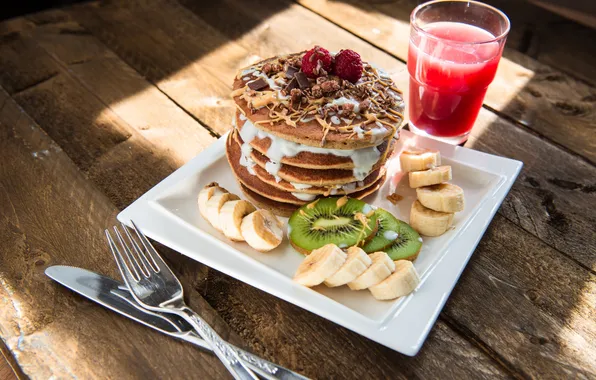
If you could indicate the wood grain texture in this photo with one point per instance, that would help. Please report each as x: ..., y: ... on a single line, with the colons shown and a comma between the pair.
x: 130, y: 117
x: 532, y: 306
x: 552, y: 38
x: 189, y: 76
x: 531, y: 93
x: 551, y: 196
x: 6, y: 372
x: 50, y: 331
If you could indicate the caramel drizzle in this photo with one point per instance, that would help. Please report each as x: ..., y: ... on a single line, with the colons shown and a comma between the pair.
x: 293, y: 116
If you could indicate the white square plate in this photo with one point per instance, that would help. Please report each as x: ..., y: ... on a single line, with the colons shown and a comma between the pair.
x: 168, y: 213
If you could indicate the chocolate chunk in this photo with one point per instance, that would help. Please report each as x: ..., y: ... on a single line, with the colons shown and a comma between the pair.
x: 302, y: 80
x: 291, y: 85
x: 291, y: 71
x: 258, y: 84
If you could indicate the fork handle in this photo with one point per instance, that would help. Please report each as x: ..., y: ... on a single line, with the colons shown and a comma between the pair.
x: 221, y: 348
x: 264, y: 368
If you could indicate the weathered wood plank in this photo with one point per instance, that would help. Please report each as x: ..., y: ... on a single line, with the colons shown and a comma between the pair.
x: 582, y: 12
x: 535, y: 95
x: 6, y: 372
x: 188, y: 76
x: 51, y: 332
x: 533, y: 306
x: 116, y: 99
x: 550, y: 198
x: 551, y: 38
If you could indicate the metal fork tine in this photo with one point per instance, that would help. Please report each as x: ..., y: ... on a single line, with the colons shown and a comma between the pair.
x: 127, y: 274
x: 134, y: 263
x: 159, y: 262
x: 139, y: 252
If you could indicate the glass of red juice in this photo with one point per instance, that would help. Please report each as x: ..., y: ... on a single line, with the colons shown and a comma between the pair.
x: 455, y: 48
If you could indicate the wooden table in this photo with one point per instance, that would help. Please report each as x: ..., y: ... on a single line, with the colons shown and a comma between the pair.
x: 100, y: 101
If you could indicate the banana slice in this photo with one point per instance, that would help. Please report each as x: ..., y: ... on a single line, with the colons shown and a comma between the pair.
x: 206, y: 193
x: 320, y: 264
x: 445, y: 197
x: 357, y: 262
x: 415, y: 159
x: 429, y: 177
x: 262, y: 230
x: 382, y: 266
x: 214, y: 205
x: 230, y: 218
x: 401, y: 283
x: 429, y: 222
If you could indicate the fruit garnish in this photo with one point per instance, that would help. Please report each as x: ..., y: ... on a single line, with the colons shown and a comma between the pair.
x: 402, y: 282
x: 382, y: 266
x: 395, y: 237
x: 262, y: 230
x: 444, y: 197
x: 429, y: 222
x: 356, y: 264
x: 317, y: 62
x: 416, y: 159
x: 430, y: 177
x: 317, y: 224
x: 348, y: 65
x: 321, y: 264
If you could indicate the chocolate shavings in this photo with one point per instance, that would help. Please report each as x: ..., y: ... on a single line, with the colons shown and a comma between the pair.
x: 302, y: 80
x: 258, y: 84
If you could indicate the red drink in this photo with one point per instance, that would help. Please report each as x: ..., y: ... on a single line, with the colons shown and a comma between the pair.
x: 451, y: 65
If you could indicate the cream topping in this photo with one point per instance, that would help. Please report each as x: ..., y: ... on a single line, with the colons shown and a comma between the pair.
x: 363, y: 159
x: 300, y: 186
x: 305, y: 197
x: 390, y: 235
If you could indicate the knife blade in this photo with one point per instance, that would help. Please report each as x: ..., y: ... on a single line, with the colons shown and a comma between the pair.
x: 116, y: 296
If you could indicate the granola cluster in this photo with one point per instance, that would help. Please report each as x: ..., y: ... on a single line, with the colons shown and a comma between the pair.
x: 363, y: 108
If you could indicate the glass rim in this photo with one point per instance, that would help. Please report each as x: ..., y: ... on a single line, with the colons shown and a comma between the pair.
x: 413, y: 23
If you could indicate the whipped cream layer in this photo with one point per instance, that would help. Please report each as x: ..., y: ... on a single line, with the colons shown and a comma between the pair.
x: 364, y: 159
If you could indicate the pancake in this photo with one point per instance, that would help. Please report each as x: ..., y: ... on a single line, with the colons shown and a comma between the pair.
x: 252, y: 181
x: 330, y: 177
x: 344, y: 189
x: 307, y: 160
x: 255, y: 185
x: 286, y: 209
x: 259, y: 201
x: 375, y: 106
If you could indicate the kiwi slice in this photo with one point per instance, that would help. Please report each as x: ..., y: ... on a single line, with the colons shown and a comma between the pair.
x: 394, y: 237
x: 341, y: 221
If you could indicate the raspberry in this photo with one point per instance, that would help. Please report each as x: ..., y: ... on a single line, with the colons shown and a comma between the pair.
x: 348, y: 65
x: 315, y: 61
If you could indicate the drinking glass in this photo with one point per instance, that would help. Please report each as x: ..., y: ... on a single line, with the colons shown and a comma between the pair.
x: 455, y: 48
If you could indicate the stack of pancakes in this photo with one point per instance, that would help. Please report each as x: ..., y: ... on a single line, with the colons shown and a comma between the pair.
x: 293, y: 143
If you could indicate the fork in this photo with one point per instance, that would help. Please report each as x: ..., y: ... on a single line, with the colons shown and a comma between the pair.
x: 155, y: 287
x: 182, y: 330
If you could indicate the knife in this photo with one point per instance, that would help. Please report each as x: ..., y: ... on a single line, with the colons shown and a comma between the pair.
x: 115, y: 296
